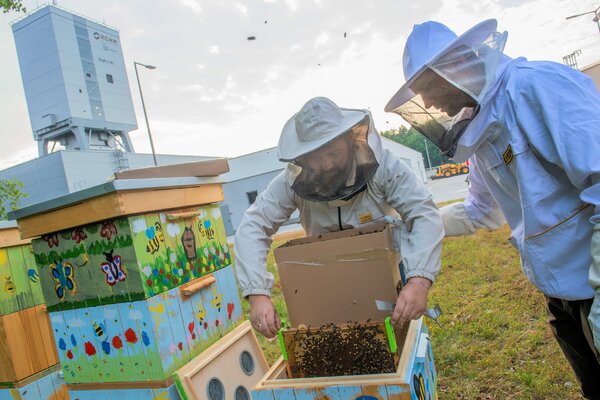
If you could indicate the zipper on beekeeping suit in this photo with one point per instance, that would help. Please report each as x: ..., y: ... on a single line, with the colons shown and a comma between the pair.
x: 340, y: 218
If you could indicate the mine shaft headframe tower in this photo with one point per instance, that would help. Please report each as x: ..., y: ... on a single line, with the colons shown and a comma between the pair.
x: 75, y: 82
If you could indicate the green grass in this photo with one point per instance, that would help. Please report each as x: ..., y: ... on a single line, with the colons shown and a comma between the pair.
x: 495, y: 342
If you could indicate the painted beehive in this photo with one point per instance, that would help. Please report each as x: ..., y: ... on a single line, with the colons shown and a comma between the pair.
x: 46, y: 385
x: 415, y: 378
x: 26, y: 344
x: 146, y: 339
x: 130, y: 258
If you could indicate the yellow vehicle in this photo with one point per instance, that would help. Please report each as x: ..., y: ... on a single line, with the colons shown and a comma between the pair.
x: 446, y: 170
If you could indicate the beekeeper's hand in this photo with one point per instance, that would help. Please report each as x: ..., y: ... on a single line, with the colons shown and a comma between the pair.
x: 263, y: 315
x: 412, y: 300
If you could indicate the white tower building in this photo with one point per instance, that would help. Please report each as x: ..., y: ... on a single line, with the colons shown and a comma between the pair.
x: 75, y: 82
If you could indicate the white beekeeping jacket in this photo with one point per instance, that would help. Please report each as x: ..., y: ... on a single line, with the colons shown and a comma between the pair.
x: 393, y: 190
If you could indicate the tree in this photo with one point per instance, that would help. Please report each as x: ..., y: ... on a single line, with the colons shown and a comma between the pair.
x: 12, y: 5
x: 409, y: 137
x: 10, y: 193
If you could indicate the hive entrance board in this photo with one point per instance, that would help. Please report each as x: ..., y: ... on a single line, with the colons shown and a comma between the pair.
x: 357, y: 348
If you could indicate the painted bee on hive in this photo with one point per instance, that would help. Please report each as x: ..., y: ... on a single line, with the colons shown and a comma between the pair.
x: 9, y: 286
x: 217, y: 300
x: 98, y: 329
x: 155, y: 236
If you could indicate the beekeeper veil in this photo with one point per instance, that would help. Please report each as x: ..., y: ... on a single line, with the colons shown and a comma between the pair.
x: 331, y: 151
x: 447, y: 79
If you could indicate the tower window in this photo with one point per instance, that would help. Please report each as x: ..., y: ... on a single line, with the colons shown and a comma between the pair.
x: 109, y: 78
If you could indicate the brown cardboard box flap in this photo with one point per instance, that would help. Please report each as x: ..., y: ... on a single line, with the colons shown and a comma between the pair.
x: 336, y: 277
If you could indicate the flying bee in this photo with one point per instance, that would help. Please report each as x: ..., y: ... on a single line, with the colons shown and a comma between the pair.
x: 98, y: 329
x: 9, y: 286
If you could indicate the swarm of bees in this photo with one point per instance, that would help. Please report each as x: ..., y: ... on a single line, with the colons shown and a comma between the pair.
x: 331, y: 350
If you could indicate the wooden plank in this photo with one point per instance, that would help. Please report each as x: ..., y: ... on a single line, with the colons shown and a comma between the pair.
x: 20, y: 280
x: 288, y: 394
x: 160, y: 384
x: 16, y: 340
x: 378, y: 392
x: 349, y: 391
x: 48, y: 344
x: 33, y: 339
x: 33, y: 275
x: 7, y: 372
x: 11, y: 237
x: 198, y: 168
x: 398, y: 392
x: 8, y: 292
x: 117, y: 204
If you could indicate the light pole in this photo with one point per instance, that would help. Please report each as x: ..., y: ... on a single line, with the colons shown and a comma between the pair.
x: 135, y: 64
x: 596, y: 16
x: 427, y: 152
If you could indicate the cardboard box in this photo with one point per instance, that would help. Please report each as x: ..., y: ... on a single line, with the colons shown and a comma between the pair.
x: 336, y: 277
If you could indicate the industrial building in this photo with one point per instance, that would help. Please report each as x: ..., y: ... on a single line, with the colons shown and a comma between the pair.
x: 81, y: 113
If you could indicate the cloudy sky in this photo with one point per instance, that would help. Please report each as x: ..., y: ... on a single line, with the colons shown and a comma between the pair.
x: 216, y: 93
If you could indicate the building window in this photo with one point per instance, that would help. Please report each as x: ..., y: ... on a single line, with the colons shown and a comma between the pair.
x: 109, y: 78
x: 252, y: 196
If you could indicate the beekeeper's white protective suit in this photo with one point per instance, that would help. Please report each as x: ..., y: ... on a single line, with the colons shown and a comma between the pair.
x: 338, y: 177
x: 532, y: 133
x: 383, y: 185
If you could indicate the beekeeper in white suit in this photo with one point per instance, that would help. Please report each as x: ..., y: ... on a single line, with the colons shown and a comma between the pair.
x: 338, y: 177
x: 531, y: 131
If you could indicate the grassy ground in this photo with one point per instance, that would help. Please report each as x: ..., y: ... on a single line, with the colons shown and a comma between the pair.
x: 495, y: 342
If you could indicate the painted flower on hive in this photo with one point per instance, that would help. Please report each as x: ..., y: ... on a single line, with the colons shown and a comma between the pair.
x: 108, y: 230
x: 51, y: 239
x: 147, y: 270
x: 78, y: 235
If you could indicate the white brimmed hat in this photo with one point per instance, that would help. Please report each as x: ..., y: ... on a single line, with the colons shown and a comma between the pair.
x: 318, y: 122
x: 426, y: 44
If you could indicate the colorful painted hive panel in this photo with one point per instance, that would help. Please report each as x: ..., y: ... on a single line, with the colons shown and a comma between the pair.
x: 169, y: 393
x: 130, y: 258
x: 19, y: 279
x: 48, y: 386
x: 26, y: 344
x: 148, y: 339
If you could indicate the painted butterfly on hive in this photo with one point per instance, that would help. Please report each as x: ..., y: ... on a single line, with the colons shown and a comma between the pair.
x: 113, y: 269
x: 63, y: 275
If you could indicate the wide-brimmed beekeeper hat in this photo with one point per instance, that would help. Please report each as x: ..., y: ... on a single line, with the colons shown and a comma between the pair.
x: 318, y: 122
x: 427, y: 44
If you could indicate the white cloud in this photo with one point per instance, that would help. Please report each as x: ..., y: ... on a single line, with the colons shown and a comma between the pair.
x: 322, y: 39
x: 173, y: 230
x: 139, y: 225
x: 214, y: 49
x: 193, y: 4
x: 230, y: 83
x: 135, y: 314
x: 242, y: 9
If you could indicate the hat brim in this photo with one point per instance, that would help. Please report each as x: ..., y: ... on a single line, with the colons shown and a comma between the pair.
x: 476, y: 34
x: 289, y: 147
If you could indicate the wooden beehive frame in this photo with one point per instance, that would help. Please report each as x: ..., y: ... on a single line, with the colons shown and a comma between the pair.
x: 278, y: 378
x: 377, y: 338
